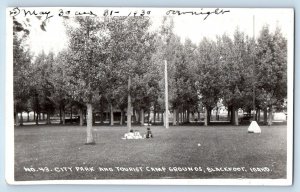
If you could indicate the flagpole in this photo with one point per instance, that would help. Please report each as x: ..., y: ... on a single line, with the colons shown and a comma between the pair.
x: 254, y: 127
x: 166, y: 97
x: 253, y: 60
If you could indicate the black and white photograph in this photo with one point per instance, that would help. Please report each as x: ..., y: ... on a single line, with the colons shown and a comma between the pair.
x: 149, y: 96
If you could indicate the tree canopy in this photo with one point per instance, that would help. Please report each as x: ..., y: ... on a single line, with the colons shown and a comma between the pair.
x: 117, y: 63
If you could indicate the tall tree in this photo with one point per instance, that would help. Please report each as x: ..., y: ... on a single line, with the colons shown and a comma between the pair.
x: 62, y: 95
x: 87, y: 63
x: 208, y: 72
x: 234, y: 64
x: 47, y: 85
x: 42, y: 87
x: 130, y: 52
x: 272, y: 69
x: 21, y: 71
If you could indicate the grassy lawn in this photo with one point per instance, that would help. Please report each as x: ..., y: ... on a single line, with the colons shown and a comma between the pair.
x: 57, y: 147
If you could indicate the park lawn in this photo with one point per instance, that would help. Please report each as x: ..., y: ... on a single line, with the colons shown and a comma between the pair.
x: 220, y: 146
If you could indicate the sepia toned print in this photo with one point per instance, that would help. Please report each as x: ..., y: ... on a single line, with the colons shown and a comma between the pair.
x: 192, y: 96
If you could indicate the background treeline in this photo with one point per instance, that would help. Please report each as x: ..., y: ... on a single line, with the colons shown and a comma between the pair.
x: 118, y: 63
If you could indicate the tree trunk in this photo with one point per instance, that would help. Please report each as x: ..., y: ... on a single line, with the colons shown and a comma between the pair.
x: 89, y: 127
x: 185, y: 116
x: 33, y: 115
x: 129, y: 107
x: 21, y: 119
x: 177, y: 116
x: 270, y: 118
x: 101, y: 112
x: 63, y: 116
x: 106, y: 116
x: 228, y: 115
x: 101, y: 117
x: 236, y: 117
x: 193, y: 116
x: 265, y: 116
x: 134, y: 115
x: 43, y: 116
x: 148, y: 118
x: 154, y: 116
x: 188, y: 115
x: 37, y: 118
x: 232, y: 116
x: 258, y: 115
x: 174, y: 116
x: 142, y: 117
x: 138, y: 116
x: 218, y: 113
x: 17, y: 119
x: 122, y: 117
x: 71, y: 116
x: 81, y: 117
x: 111, y: 115
x: 27, y: 116
x: 181, y: 117
x: 48, y: 119
x: 206, y: 117
x: 60, y: 116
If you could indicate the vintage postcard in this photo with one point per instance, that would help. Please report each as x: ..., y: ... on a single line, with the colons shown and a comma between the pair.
x: 149, y: 96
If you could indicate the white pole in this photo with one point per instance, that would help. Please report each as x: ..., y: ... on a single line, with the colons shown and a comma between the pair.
x: 166, y: 97
x: 254, y: 127
x: 253, y: 102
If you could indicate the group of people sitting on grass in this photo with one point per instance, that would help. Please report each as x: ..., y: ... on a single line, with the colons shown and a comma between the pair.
x: 134, y: 134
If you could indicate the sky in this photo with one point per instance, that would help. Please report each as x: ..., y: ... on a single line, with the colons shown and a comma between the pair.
x: 246, y: 21
x: 192, y: 26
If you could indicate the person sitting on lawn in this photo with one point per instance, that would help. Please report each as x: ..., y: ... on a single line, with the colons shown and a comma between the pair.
x: 149, y: 133
x: 132, y: 135
x: 128, y: 135
x: 137, y: 135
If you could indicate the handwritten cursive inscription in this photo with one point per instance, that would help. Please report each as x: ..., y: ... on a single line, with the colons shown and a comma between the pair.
x: 111, y: 12
x: 16, y: 11
x: 206, y: 14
